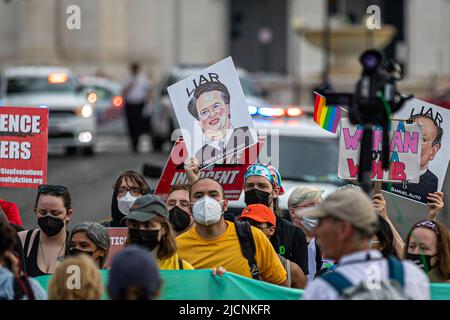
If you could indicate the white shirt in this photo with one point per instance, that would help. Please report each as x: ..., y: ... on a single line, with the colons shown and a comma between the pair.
x: 311, y: 260
x: 138, y: 92
x: 416, y: 283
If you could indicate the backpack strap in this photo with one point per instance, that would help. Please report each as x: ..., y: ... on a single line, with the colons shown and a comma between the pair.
x: 22, y: 287
x: 396, y: 270
x: 337, y: 281
x: 26, y: 245
x: 247, y: 243
x: 180, y: 264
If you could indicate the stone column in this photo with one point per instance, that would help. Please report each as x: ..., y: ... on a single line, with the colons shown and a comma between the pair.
x: 36, y: 42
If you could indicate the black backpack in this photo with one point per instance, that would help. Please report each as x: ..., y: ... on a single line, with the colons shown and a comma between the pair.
x: 245, y: 236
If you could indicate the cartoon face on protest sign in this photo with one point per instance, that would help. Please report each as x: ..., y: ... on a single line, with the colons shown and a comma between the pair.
x: 212, y: 112
x: 405, y: 140
x: 435, y: 149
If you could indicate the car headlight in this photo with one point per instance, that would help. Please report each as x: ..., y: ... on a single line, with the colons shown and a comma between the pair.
x: 85, y: 111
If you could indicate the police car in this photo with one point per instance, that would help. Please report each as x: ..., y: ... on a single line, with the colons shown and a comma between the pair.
x: 305, y: 154
x: 72, y: 124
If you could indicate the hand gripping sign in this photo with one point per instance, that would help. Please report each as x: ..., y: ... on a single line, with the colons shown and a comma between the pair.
x: 229, y: 172
x: 404, y: 155
x: 434, y: 122
x: 23, y: 146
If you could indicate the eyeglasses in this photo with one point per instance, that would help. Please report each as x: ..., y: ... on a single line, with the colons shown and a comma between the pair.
x: 253, y: 224
x: 134, y: 191
x: 262, y: 228
x: 182, y: 203
x: 50, y: 188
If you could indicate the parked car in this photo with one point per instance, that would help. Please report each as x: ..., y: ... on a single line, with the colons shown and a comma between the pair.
x: 162, y: 116
x: 105, y: 95
x: 72, y: 123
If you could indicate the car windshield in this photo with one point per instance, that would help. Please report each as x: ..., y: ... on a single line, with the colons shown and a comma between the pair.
x: 309, y: 159
x: 26, y: 85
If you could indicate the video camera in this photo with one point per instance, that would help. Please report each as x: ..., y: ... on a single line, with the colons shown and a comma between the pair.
x: 374, y: 100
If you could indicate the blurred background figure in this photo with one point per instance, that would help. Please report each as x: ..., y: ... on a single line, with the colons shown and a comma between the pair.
x: 134, y: 275
x: 136, y: 92
x: 76, y: 278
x: 92, y: 239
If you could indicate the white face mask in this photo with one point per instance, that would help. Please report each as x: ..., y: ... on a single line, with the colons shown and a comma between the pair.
x: 207, y: 211
x: 309, y: 223
x: 125, y: 203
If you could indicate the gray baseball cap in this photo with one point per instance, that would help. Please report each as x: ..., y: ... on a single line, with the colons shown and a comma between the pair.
x: 146, y: 208
x: 348, y: 205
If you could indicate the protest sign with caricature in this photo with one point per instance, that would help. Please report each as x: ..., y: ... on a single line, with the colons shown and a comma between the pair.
x: 404, y: 145
x: 435, y: 149
x: 212, y: 112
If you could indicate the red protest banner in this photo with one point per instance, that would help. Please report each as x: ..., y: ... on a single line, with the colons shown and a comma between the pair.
x: 229, y: 173
x: 23, y: 146
x: 117, y: 238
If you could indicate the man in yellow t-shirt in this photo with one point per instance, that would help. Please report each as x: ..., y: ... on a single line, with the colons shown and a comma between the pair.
x: 213, y: 242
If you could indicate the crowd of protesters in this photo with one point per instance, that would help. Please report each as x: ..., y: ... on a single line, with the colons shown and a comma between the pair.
x: 325, y: 245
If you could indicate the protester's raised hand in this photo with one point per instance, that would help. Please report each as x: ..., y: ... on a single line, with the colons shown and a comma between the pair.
x: 219, y: 271
x: 379, y: 204
x: 435, y: 204
x: 191, y: 167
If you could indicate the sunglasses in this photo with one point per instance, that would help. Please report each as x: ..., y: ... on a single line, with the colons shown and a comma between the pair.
x: 50, y: 188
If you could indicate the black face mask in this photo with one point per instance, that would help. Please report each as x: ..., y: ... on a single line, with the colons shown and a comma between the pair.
x: 179, y: 218
x: 255, y: 196
x: 145, y: 238
x: 417, y: 259
x: 75, y: 252
x: 51, y: 226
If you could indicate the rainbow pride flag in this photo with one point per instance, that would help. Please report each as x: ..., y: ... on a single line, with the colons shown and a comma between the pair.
x: 326, y: 116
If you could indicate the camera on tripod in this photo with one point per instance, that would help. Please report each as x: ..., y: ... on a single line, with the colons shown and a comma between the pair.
x: 373, y: 102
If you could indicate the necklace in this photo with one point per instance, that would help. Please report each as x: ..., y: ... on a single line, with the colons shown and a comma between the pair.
x: 47, y: 269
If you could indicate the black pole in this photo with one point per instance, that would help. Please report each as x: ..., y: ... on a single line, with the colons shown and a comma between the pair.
x: 365, y: 160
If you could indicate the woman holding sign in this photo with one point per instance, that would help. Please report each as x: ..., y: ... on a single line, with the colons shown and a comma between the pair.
x: 46, y: 247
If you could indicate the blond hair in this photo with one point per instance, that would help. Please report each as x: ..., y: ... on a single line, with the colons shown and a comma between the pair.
x: 64, y: 286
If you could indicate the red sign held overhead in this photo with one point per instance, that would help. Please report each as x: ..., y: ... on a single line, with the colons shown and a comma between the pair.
x: 229, y: 173
x: 23, y: 146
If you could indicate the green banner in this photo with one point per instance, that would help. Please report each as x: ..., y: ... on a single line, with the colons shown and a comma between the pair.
x: 202, y: 285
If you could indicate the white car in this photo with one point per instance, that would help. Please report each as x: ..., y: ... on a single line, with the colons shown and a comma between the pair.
x: 72, y: 123
x: 307, y: 156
